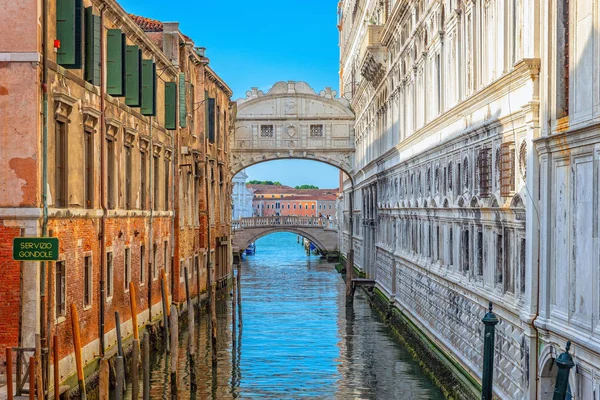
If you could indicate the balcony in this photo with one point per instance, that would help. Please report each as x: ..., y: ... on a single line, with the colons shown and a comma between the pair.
x: 373, y: 55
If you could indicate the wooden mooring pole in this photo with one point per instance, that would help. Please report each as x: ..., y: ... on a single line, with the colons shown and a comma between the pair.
x: 55, y: 360
x: 165, y: 314
x: 9, y: 379
x: 78, y: 356
x: 120, y: 365
x: 174, y: 331
x: 146, y: 366
x: 31, y: 378
x: 135, y: 368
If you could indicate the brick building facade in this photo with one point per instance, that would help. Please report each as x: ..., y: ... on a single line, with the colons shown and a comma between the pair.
x: 126, y: 165
x: 271, y: 200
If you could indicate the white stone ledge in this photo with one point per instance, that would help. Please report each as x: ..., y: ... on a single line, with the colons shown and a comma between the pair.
x: 20, y: 57
x: 20, y: 213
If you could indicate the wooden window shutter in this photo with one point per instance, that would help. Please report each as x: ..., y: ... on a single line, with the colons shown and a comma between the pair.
x: 115, y: 62
x: 170, y: 105
x: 92, y: 47
x: 485, y: 172
x: 133, y: 76
x: 148, y: 88
x: 69, y: 21
x: 182, y: 102
x: 211, y: 120
x: 507, y: 169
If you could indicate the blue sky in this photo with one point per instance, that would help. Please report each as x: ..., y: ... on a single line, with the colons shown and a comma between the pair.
x: 257, y: 43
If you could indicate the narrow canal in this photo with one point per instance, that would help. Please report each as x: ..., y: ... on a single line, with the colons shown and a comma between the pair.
x: 297, y: 339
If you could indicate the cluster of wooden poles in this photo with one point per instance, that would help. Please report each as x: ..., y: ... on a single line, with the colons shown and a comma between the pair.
x: 171, y: 343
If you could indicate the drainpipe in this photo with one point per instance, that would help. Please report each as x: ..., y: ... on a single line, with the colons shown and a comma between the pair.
x: 151, y: 243
x: 175, y: 225
x: 44, y: 332
x: 103, y: 195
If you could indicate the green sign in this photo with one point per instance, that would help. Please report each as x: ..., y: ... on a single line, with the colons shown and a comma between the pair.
x: 35, y: 249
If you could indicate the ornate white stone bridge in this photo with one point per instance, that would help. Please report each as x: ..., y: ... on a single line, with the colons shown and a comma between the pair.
x: 322, y: 232
x: 292, y: 121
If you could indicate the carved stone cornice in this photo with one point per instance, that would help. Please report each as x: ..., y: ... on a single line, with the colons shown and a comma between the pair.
x: 168, y: 152
x: 63, y: 104
x: 112, y: 127
x: 157, y: 148
x: 91, y: 116
x: 144, y: 142
x: 129, y: 136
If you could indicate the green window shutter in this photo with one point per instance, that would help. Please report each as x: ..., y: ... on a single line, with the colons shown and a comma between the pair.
x: 133, y: 77
x: 170, y: 105
x: 69, y: 21
x: 182, y: 102
x: 211, y: 120
x: 92, y: 47
x: 148, y: 88
x: 115, y: 62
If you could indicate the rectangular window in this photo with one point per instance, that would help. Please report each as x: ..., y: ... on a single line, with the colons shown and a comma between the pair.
x: 210, y: 109
x: 142, y: 263
x: 110, y: 173
x: 109, y: 275
x: 61, y: 173
x: 562, y: 47
x: 466, y: 250
x: 217, y: 125
x: 154, y: 260
x: 480, y: 252
x: 316, y: 131
x: 148, y: 90
x: 143, y: 184
x: 485, y: 172
x: 127, y: 268
x: 181, y: 270
x: 116, y: 42
x: 89, y: 169
x: 170, y: 105
x: 196, y: 264
x: 509, y: 283
x: 69, y: 24
x: 61, y: 289
x: 128, y: 172
x: 87, y: 281
x: 266, y: 131
x: 522, y: 264
x: 133, y: 76
x: 451, y: 246
x: 499, y: 259
x: 92, y: 47
x: 507, y: 169
x: 166, y: 182
x: 166, y: 256
x: 156, y: 183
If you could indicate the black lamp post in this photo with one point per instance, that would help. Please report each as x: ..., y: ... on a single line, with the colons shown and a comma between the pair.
x: 564, y: 363
x: 490, y: 321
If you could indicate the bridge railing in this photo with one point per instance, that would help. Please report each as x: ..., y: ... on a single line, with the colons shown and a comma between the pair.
x: 256, y: 222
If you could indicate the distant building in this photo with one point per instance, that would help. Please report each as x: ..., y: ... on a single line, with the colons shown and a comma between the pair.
x: 269, y: 200
x: 241, y: 197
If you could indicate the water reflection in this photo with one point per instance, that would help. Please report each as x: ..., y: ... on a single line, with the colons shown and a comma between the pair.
x: 295, y: 339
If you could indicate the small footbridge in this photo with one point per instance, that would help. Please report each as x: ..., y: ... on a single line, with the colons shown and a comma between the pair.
x: 322, y: 232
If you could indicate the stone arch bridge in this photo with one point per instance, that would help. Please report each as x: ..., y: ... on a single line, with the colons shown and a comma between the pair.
x: 292, y: 121
x: 321, y: 232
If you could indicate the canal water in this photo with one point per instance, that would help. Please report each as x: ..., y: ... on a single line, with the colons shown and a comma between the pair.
x: 297, y: 339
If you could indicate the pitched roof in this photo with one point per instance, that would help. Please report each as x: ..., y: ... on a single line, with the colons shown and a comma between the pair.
x: 151, y: 25
x: 147, y: 24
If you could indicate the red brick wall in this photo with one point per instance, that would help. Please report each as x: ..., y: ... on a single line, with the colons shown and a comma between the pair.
x: 9, y: 292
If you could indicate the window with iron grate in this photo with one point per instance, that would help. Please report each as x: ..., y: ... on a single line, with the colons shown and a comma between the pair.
x: 266, y: 131
x: 507, y: 169
x: 316, y: 131
x: 485, y: 172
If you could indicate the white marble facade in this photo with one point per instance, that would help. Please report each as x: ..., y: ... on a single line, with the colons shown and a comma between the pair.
x: 477, y: 176
x: 241, y: 197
